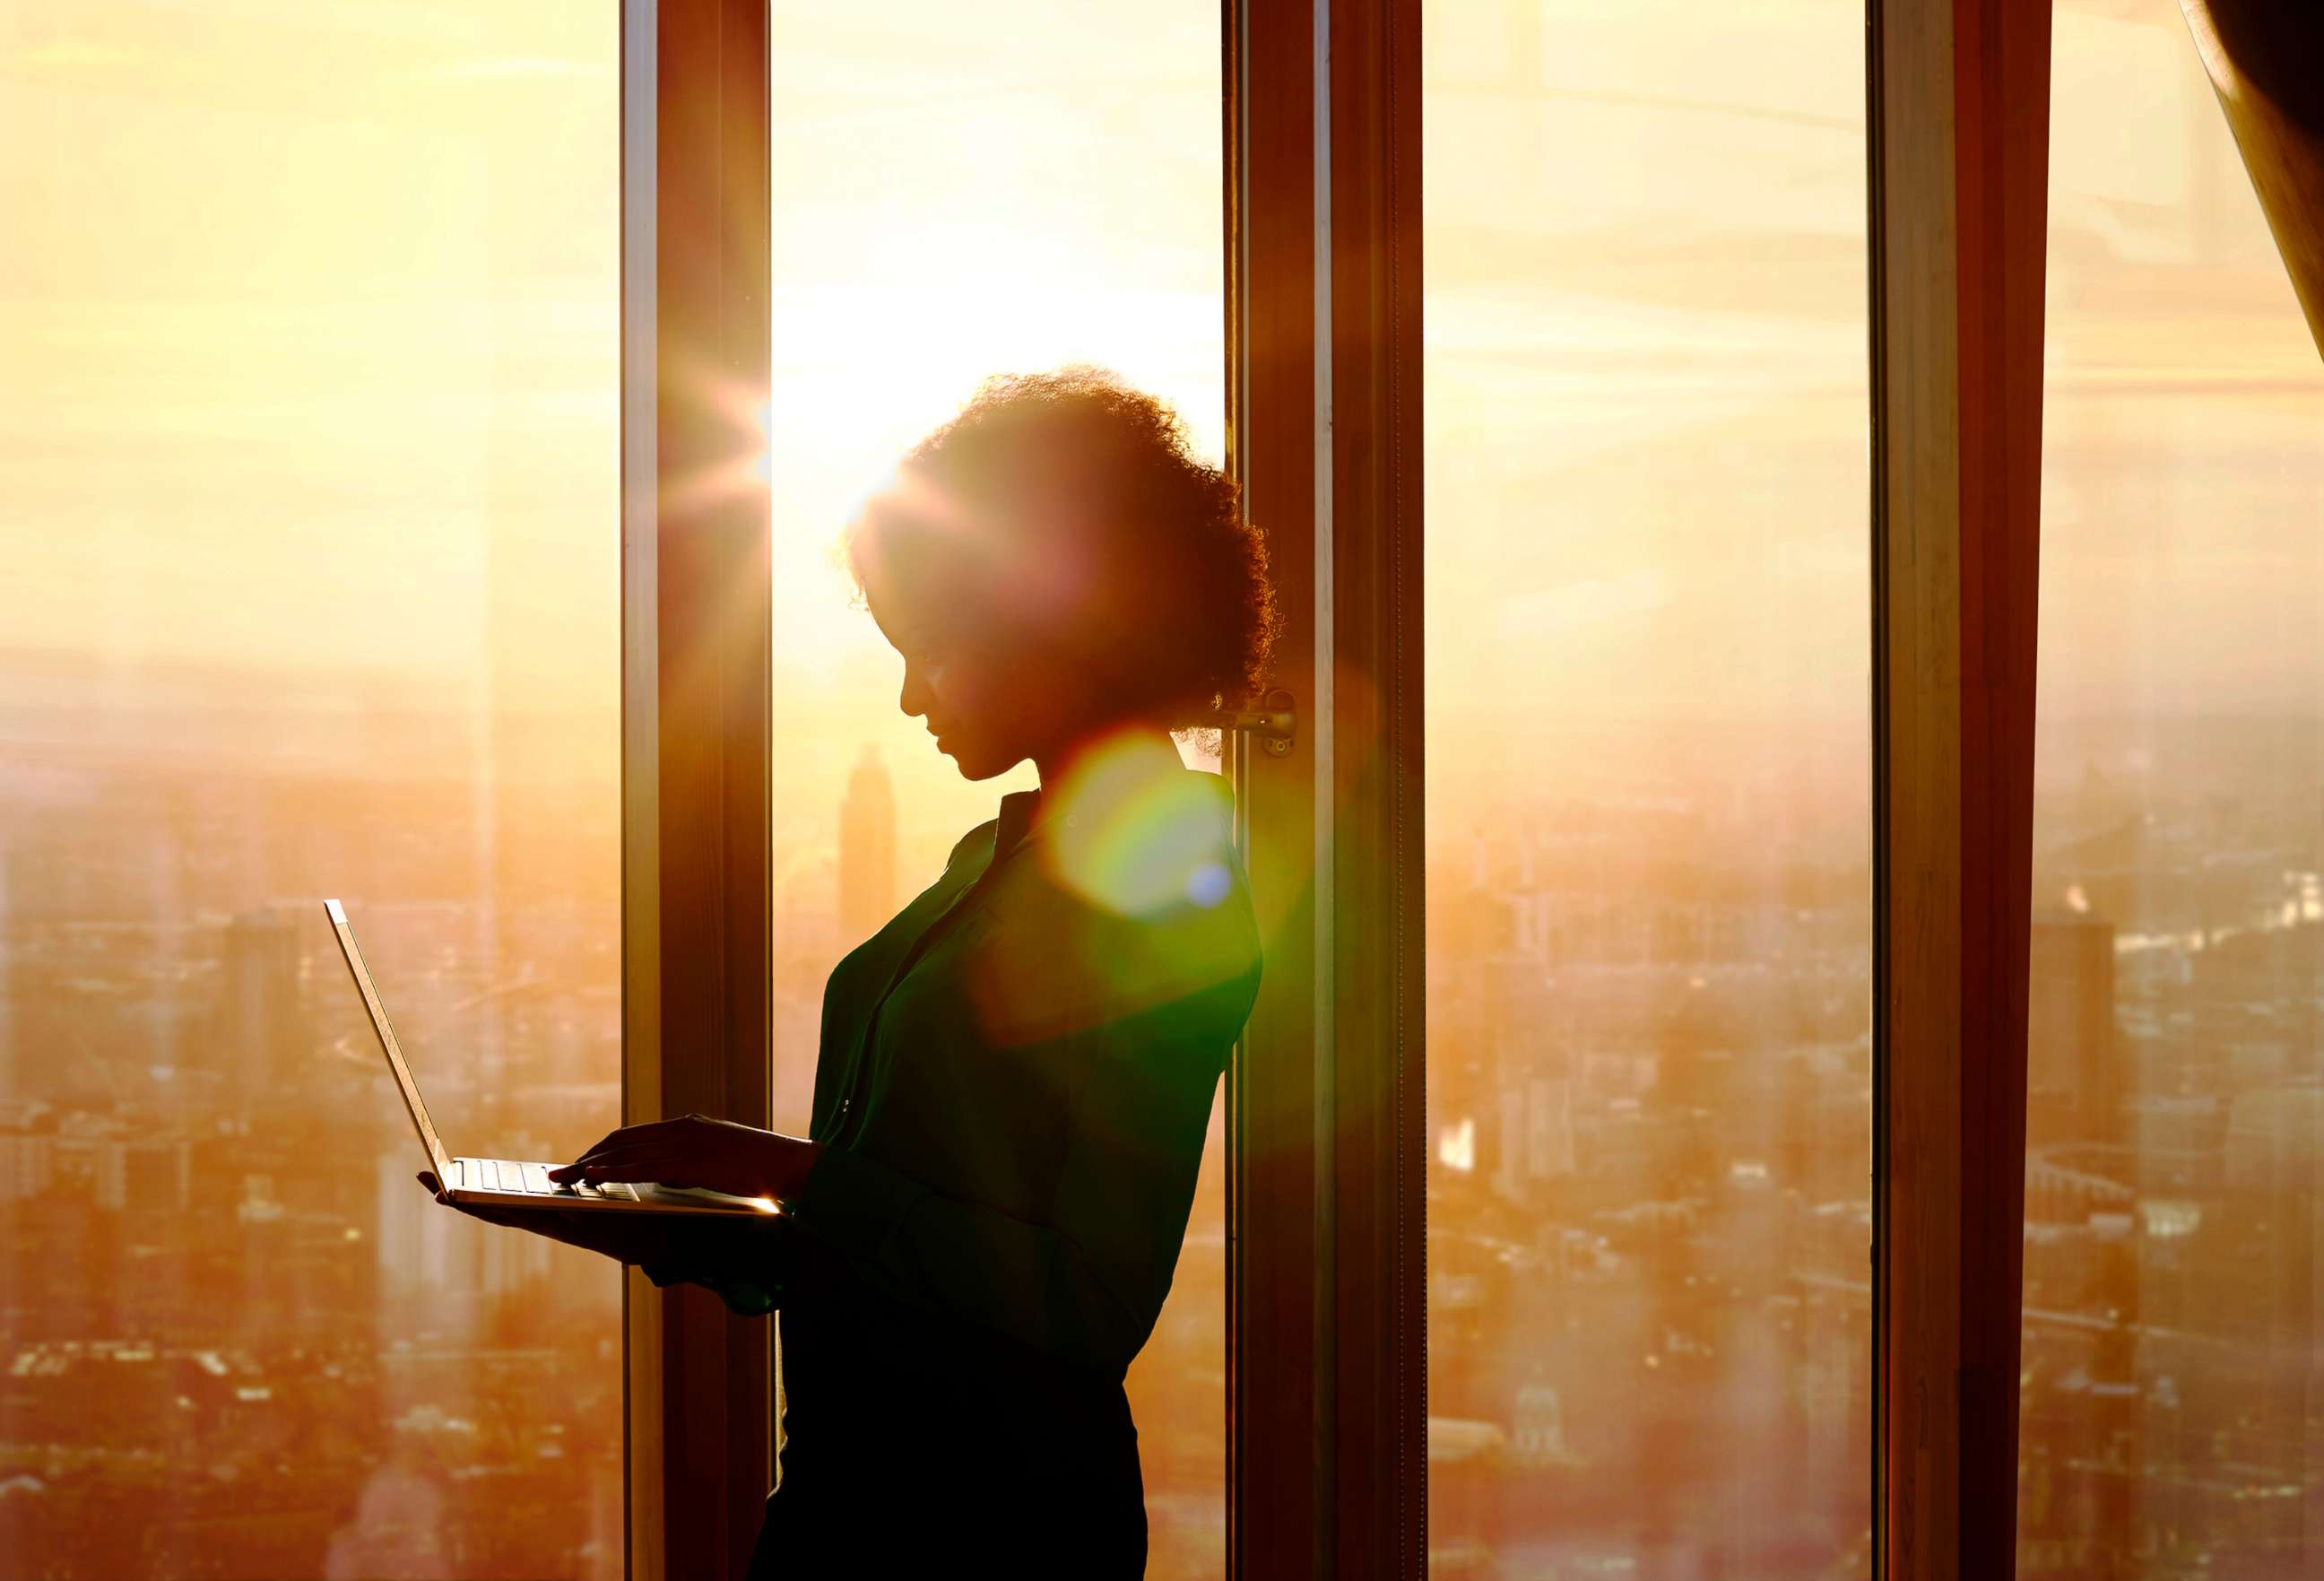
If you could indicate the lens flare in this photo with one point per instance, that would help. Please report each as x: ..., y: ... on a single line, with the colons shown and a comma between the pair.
x: 1136, y: 841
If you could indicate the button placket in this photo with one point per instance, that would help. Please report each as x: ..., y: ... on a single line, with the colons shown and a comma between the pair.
x: 957, y: 908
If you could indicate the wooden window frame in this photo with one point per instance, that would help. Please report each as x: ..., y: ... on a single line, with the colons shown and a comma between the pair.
x: 696, y: 733
x: 1327, y: 1462
x: 1328, y: 1163
x: 1958, y: 123
x: 1326, y: 304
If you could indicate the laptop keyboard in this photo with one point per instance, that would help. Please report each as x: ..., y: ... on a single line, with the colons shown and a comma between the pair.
x: 532, y: 1180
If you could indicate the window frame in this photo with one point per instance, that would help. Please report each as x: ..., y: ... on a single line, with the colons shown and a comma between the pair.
x: 1327, y: 1464
x: 1958, y: 151
x: 696, y: 734
x: 1328, y: 1153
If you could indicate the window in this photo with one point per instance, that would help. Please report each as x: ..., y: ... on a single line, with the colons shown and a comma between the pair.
x: 2176, y: 1118
x: 959, y: 193
x: 1649, y: 933
x: 314, y: 317
x: 311, y: 325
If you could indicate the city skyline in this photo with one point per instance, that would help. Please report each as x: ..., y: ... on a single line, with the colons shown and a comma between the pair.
x: 314, y: 589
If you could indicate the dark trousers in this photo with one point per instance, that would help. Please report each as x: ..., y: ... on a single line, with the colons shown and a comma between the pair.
x: 977, y: 1517
x: 919, y: 1447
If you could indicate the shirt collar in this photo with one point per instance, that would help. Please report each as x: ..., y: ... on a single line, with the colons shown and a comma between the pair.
x: 1017, y: 810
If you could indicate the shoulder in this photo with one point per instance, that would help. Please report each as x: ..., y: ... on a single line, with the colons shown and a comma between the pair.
x: 1111, y: 916
x: 977, y: 842
x: 1158, y: 864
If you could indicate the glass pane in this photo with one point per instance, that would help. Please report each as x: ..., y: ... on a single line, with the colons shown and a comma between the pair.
x: 961, y: 192
x: 1647, y: 654
x: 310, y: 324
x: 2173, y: 1419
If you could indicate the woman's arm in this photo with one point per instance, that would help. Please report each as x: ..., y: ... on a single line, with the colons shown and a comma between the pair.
x: 1077, y: 1268
x: 695, y: 1150
x: 740, y: 1257
x: 625, y: 1238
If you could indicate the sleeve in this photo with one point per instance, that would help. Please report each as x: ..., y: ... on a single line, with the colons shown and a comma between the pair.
x: 1087, y: 1285
x: 744, y: 1261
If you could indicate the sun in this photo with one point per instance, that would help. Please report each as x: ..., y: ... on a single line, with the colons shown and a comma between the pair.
x: 862, y: 367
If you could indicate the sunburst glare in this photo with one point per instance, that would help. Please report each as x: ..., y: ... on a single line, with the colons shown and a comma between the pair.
x: 1136, y: 842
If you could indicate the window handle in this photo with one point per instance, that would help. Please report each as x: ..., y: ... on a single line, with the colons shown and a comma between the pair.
x: 1273, y: 722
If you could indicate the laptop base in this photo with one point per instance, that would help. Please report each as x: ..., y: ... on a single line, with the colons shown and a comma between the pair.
x: 499, y: 1183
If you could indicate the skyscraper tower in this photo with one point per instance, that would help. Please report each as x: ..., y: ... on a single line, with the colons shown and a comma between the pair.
x: 867, y: 848
x: 262, y: 1021
x: 2075, y: 1088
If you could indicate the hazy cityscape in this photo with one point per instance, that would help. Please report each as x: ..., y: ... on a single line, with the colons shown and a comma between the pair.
x: 1650, y: 1219
x: 2170, y: 1410
x: 238, y: 1339
x: 312, y: 555
x: 1650, y: 1085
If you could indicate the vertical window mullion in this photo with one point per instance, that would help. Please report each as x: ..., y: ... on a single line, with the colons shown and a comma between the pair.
x: 696, y: 734
x: 1276, y: 1450
x: 1378, y: 1111
x: 1961, y: 94
x: 1330, y: 1454
x: 642, y: 1409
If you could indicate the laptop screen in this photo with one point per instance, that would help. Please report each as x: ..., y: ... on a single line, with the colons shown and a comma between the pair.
x: 378, y: 1014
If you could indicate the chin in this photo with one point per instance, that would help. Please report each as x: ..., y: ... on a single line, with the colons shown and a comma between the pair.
x: 975, y: 765
x: 974, y: 770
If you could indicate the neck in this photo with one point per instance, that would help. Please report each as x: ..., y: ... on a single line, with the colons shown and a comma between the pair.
x: 1088, y: 763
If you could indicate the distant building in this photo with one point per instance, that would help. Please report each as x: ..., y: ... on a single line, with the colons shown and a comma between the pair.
x: 411, y: 1234
x: 143, y: 1175
x: 28, y: 1163
x: 261, y: 1023
x: 2274, y: 1284
x: 1538, y: 1424
x: 2073, y: 1079
x: 1536, y: 1139
x: 434, y: 1260
x: 867, y: 849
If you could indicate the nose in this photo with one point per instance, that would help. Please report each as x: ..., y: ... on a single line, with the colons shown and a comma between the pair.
x: 913, y: 699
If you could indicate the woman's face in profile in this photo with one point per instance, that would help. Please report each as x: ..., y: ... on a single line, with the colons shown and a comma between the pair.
x: 986, y: 696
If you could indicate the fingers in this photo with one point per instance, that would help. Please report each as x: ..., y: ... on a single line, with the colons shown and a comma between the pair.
x: 661, y: 1164
x: 435, y: 1188
x: 611, y: 1138
x: 652, y: 1134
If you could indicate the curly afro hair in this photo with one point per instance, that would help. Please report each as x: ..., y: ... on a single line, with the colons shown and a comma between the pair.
x: 1073, y: 500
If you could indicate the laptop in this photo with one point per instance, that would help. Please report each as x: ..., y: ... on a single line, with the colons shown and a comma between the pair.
x: 504, y: 1183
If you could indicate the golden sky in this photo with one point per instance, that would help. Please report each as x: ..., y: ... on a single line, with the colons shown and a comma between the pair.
x: 309, y: 316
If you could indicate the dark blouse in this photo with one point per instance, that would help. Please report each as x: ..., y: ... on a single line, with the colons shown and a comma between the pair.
x: 1014, y: 1078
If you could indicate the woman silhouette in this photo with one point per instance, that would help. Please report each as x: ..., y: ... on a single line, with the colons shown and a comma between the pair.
x: 1015, y: 1073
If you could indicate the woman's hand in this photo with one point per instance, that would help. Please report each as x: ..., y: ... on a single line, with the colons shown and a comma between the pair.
x: 716, y: 1155
x: 625, y: 1238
